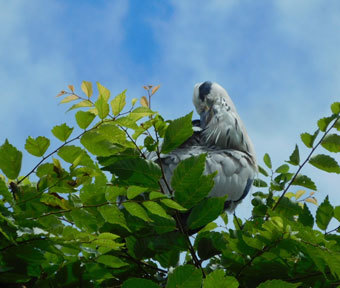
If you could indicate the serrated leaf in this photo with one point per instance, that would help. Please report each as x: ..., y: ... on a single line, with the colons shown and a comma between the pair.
x: 156, y: 209
x: 118, y: 103
x: 306, y: 217
x: 308, y: 139
x: 304, y: 181
x: 172, y: 204
x: 325, y: 162
x: 156, y: 195
x: 86, y: 86
x: 324, y: 214
x: 217, y: 279
x: 331, y: 142
x: 324, y: 122
x: 140, y: 112
x: 113, y: 215
x: 278, y: 284
x: 206, y: 211
x: 136, y: 210
x: 189, y: 184
x: 102, y: 108
x: 111, y: 261
x: 282, y: 169
x: 299, y: 193
x: 62, y: 132
x: 294, y: 159
x: 186, y: 276
x: 335, y: 107
x: 69, y: 98
x: 144, y: 101
x: 84, y: 119
x: 134, y: 191
x: 103, y: 92
x: 81, y: 104
x: 140, y: 283
x: 259, y: 183
x: 10, y: 160
x: 267, y: 160
x: 337, y: 213
x: 262, y: 171
x: 37, y: 146
x: 177, y: 132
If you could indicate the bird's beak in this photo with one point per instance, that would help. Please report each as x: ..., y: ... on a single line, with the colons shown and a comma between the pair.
x: 205, y: 117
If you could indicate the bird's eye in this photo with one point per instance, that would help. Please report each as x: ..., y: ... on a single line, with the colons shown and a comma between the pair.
x: 204, y: 90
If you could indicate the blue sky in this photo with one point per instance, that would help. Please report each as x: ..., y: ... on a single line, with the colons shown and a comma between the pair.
x: 279, y: 61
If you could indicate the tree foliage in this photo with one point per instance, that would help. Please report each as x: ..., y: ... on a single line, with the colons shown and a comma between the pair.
x: 92, y: 213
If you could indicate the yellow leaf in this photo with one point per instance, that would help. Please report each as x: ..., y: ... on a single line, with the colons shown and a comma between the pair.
x: 61, y: 93
x: 299, y: 193
x: 86, y: 86
x: 133, y: 102
x: 312, y: 200
x: 69, y: 98
x: 71, y: 87
x: 144, y: 102
x: 146, y: 87
x: 154, y: 89
x: 94, y: 111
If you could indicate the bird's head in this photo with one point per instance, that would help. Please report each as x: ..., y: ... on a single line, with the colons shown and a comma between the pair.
x: 206, y: 95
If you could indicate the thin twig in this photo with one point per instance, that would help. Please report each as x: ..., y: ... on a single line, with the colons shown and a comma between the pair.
x: 328, y: 232
x: 300, y: 166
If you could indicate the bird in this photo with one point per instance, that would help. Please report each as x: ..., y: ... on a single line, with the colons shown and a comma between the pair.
x: 221, y: 135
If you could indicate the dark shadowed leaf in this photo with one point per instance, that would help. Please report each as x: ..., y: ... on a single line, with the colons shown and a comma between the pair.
x: 37, y: 146
x: 177, y: 132
x: 324, y: 214
x: 278, y: 284
x: 62, y: 132
x: 140, y: 283
x: 282, y: 169
x: 186, y: 276
x: 306, y: 217
x: 325, y: 162
x: 294, y: 159
x: 84, y: 119
x: 262, y: 171
x: 331, y: 142
x: 305, y: 181
x: 267, y: 160
x: 259, y: 183
x: 10, y: 160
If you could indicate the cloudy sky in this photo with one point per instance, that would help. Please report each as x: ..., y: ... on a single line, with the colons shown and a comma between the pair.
x: 279, y: 61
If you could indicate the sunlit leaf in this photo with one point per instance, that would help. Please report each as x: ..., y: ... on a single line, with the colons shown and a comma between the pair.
x: 103, y: 92
x: 84, y: 119
x: 111, y: 261
x: 62, y: 132
x: 37, y: 146
x: 102, y: 108
x: 155, y: 89
x: 144, y: 101
x: 86, y: 86
x: 325, y: 162
x: 308, y: 139
x: 118, y: 103
x: 331, y: 142
x: 134, y: 191
x: 324, y: 214
x: 136, y: 210
x: 312, y: 200
x: 217, y: 279
x: 156, y: 209
x: 324, y: 122
x: 69, y: 98
x: 299, y: 193
x: 186, y: 276
x: 172, y: 204
x: 335, y: 107
x: 81, y: 104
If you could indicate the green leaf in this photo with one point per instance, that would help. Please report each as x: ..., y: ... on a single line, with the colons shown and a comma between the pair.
x: 118, y: 103
x: 259, y: 183
x: 335, y: 107
x: 69, y: 98
x: 267, y: 160
x: 306, y: 217
x: 87, y: 88
x: 177, y: 132
x: 282, y: 169
x: 331, y: 142
x: 325, y: 162
x: 156, y: 195
x: 278, y: 284
x: 305, y: 181
x: 71, y: 153
x: 140, y: 112
x: 10, y: 160
x: 189, y: 184
x: 308, y: 139
x: 62, y: 132
x: 111, y: 261
x: 37, y: 146
x: 103, y: 92
x: 81, y: 104
x: 136, y: 171
x: 216, y: 279
x: 324, y: 214
x: 324, y: 122
x: 206, y: 211
x: 262, y: 171
x: 113, y: 215
x: 156, y: 209
x: 337, y: 213
x: 294, y: 159
x: 84, y: 119
x: 102, y: 108
x: 172, y: 204
x: 136, y: 210
x: 134, y: 191
x: 186, y: 276
x: 140, y: 283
